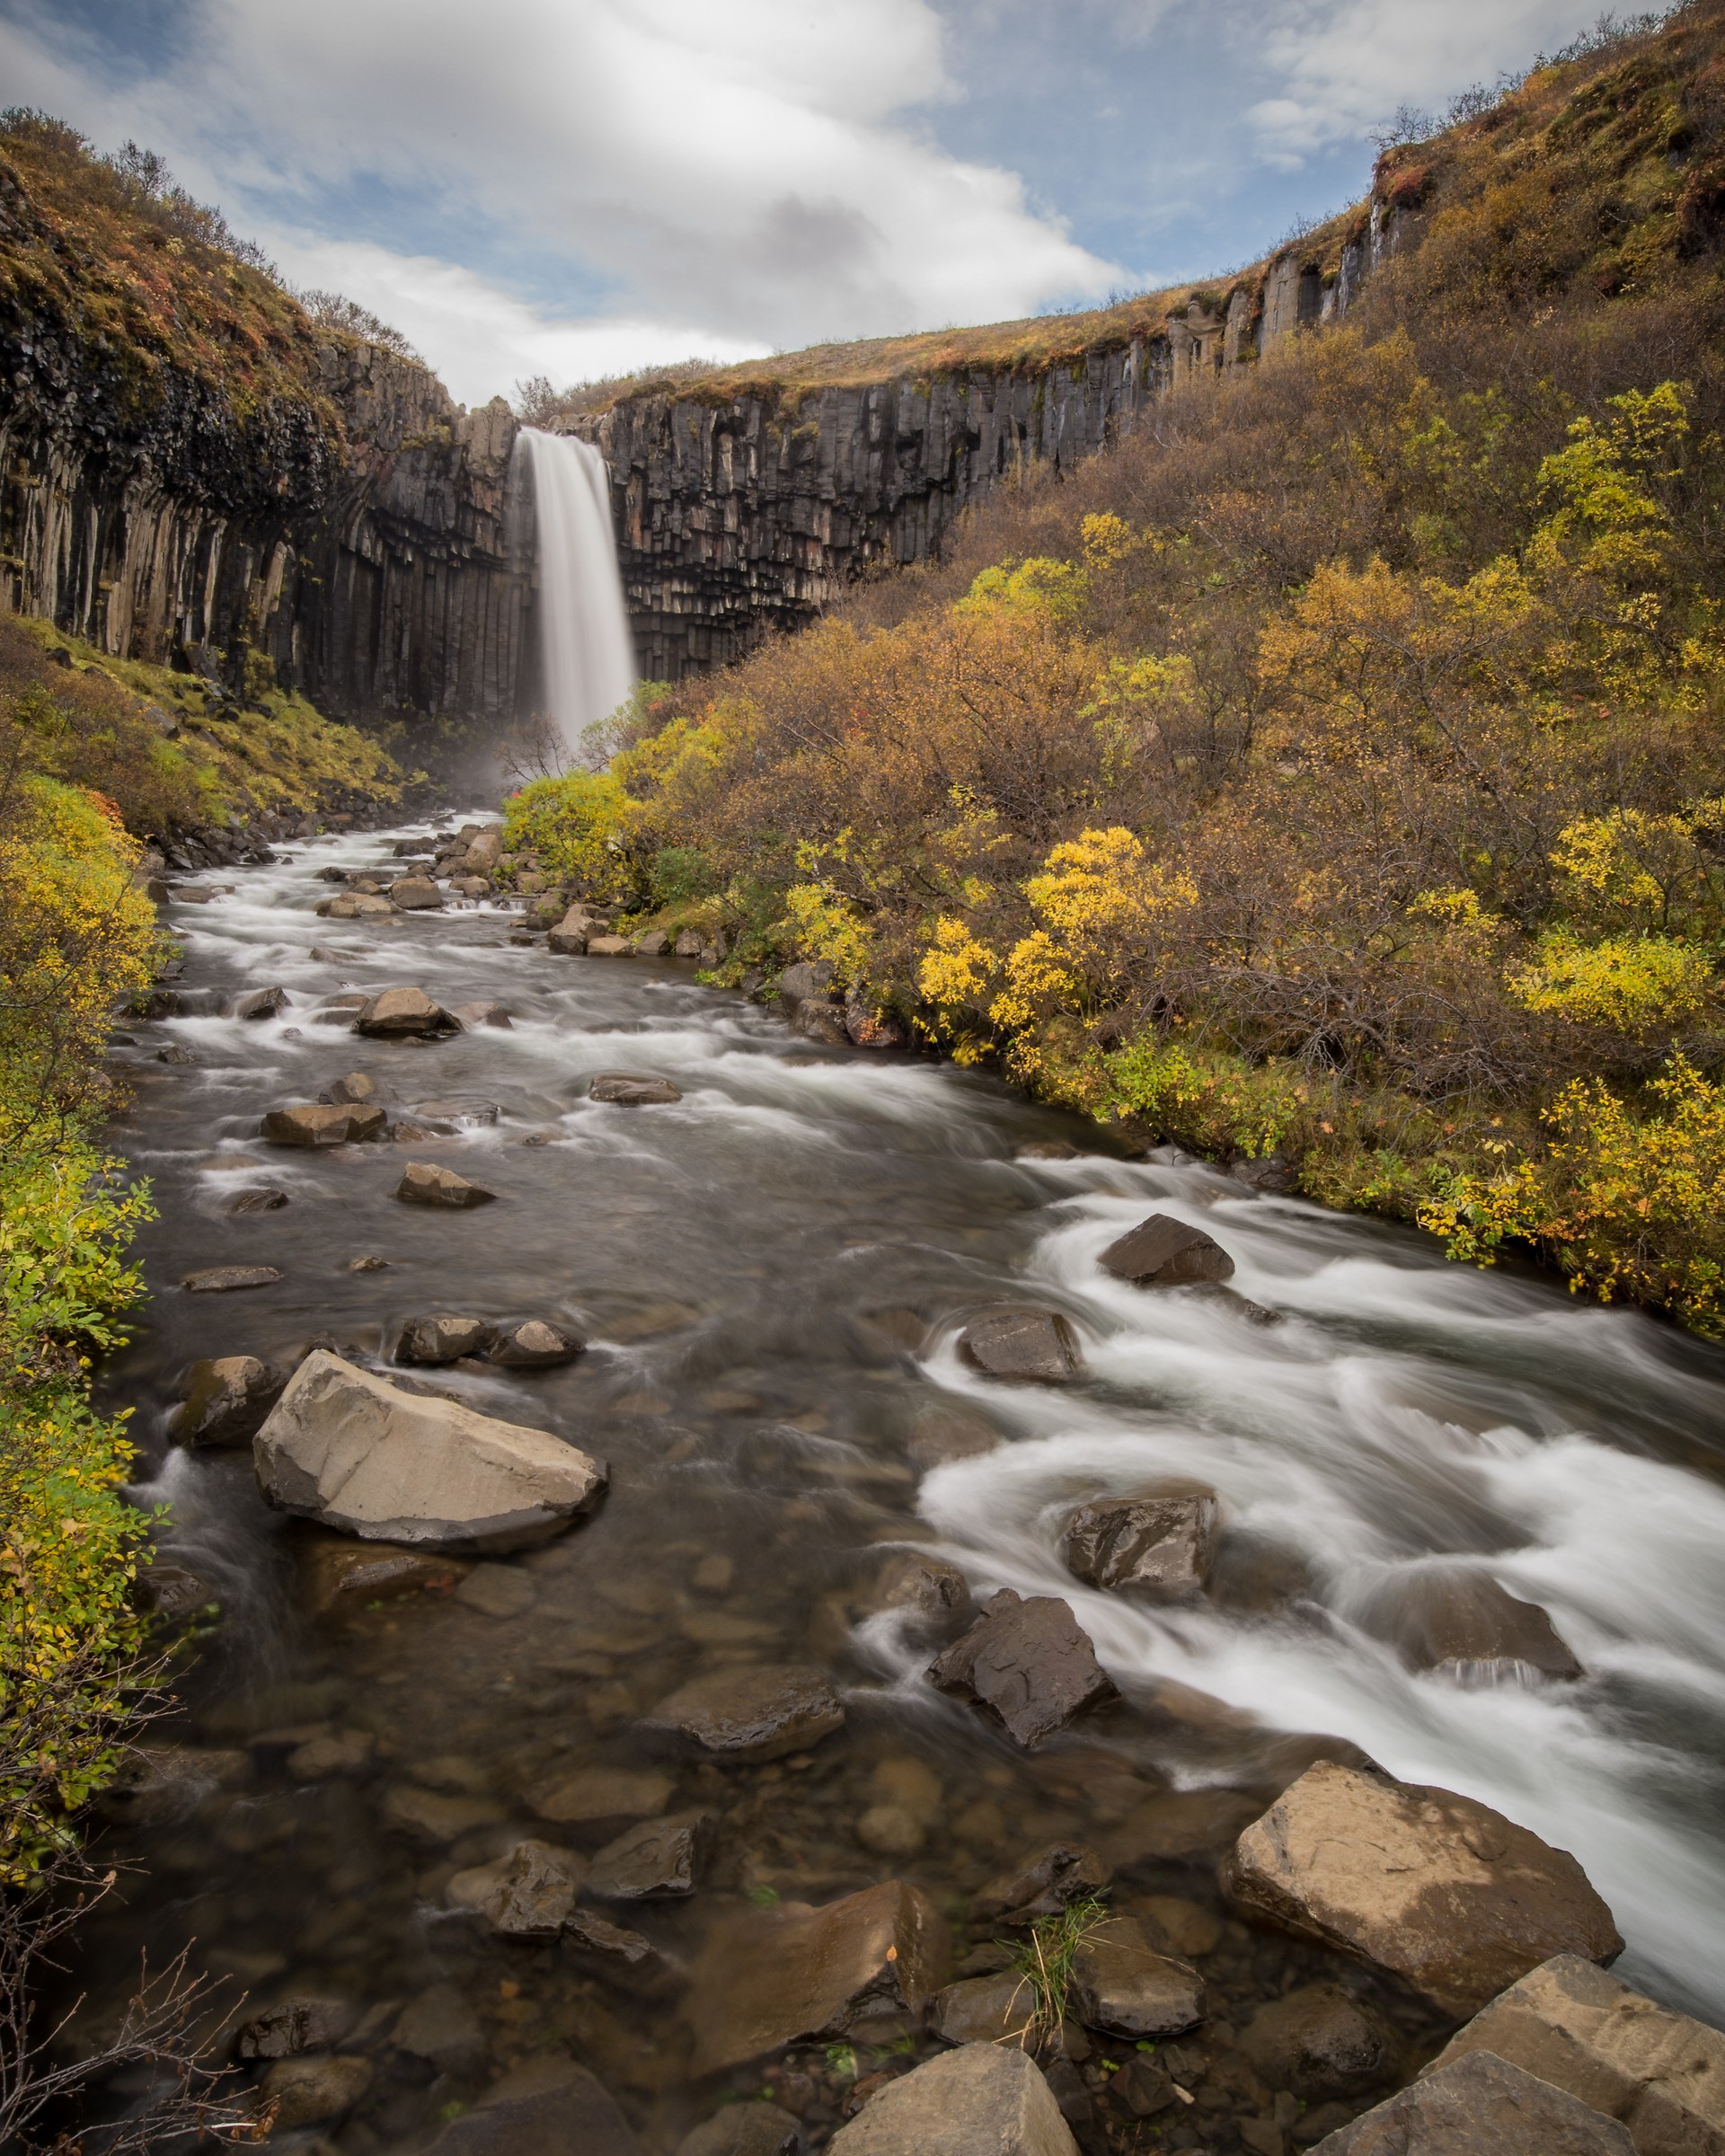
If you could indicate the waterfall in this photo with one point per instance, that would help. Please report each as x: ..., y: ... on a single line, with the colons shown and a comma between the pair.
x: 588, y: 654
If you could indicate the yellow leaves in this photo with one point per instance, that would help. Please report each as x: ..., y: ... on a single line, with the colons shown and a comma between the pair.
x: 1460, y: 908
x: 956, y: 968
x: 820, y: 920
x: 1036, y: 975
x: 1039, y: 587
x: 1098, y: 885
x: 1607, y: 521
x: 1632, y: 983
x: 1108, y: 539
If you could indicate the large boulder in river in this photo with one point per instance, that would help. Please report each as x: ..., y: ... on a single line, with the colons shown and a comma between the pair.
x: 772, y: 1977
x: 808, y: 978
x: 986, y: 2100
x: 1444, y: 1893
x: 1165, y: 1252
x: 533, y: 1344
x: 1662, y: 2074
x: 399, y: 1012
x: 415, y: 894
x: 336, y: 1122
x: 632, y: 1088
x: 755, y: 1712
x: 348, y: 1449
x: 1463, y: 1625
x: 1029, y: 1663
x: 1482, y: 2105
x: 424, y: 1183
x: 1023, y: 1346
x: 226, y: 1398
x: 1159, y: 1546
x: 263, y: 1003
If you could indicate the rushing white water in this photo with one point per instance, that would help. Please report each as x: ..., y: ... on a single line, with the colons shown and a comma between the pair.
x: 586, y: 652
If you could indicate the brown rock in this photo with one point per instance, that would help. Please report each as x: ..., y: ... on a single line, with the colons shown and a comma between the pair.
x: 1188, y: 1927
x: 943, y: 1430
x: 652, y: 943
x: 443, y: 1338
x: 870, y: 1029
x: 353, y: 906
x: 608, y: 947
x: 356, y: 1088
x: 755, y: 2129
x: 340, y: 1576
x: 336, y: 1124
x: 632, y: 1088
x: 222, y: 1279
x: 986, y: 2010
x: 984, y: 2100
x: 655, y: 1861
x: 1025, y: 1346
x: 437, y: 1815
x: 933, y: 1596
x: 423, y: 1183
x: 1159, y: 1546
x: 817, y: 1020
x: 473, y: 1016
x: 313, y: 2087
x: 534, y: 1344
x: 595, y: 1796
x: 623, y: 1956
x: 795, y: 1972
x: 1445, y: 1893
x: 293, y: 2025
x: 225, y: 1399
x: 263, y: 1003
x: 1319, y: 2041
x: 689, y: 943
x: 1165, y: 1253
x: 1122, y: 1982
x: 398, y: 1012
x: 440, y: 2028
x: 1661, y: 2074
x: 577, y: 2117
x: 1481, y: 2106
x: 415, y: 894
x: 1064, y: 1872
x: 1029, y: 1663
x: 529, y: 1894
x: 1466, y: 1626
x: 758, y: 1712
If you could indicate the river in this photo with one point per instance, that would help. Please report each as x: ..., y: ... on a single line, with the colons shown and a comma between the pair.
x: 771, y: 1274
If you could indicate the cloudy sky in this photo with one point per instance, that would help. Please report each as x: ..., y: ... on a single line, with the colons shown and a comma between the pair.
x: 578, y: 187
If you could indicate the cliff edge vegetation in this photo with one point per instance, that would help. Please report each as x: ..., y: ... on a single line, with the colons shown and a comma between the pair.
x: 1333, y: 776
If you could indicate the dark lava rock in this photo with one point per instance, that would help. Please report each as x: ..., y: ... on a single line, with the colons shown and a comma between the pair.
x: 1160, y: 1545
x: 319, y: 1123
x: 1481, y: 2106
x: 1165, y: 1253
x: 1029, y: 1663
x: 226, y: 1399
x: 534, y: 1344
x: 294, y: 2026
x: 1027, y: 1346
x: 263, y: 1003
x: 221, y: 1279
x: 1319, y: 2041
x: 1122, y: 1982
x: 1065, y: 1871
x: 263, y: 1200
x: 423, y: 1183
x: 1465, y: 1625
x: 443, y: 1338
x: 757, y: 1713
x: 632, y: 1088
x: 654, y: 1861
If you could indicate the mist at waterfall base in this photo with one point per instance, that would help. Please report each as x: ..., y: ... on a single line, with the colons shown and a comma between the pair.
x: 587, y: 653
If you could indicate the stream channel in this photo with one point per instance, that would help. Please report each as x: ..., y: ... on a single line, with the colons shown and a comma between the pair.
x: 771, y: 1274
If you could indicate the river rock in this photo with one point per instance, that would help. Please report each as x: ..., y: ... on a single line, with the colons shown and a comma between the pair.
x: 1481, y: 2106
x: 1122, y: 1982
x: 1064, y: 1872
x: 443, y: 1338
x: 338, y: 1575
x: 578, y: 2117
x: 313, y: 2089
x: 424, y: 1183
x: 349, y: 1449
x: 438, y: 1816
x: 759, y: 1711
x: 689, y: 944
x: 226, y: 1397
x: 440, y: 2028
x: 484, y: 850
x: 263, y: 1003
x: 1025, y: 1346
x: 1466, y: 1626
x: 1319, y: 2041
x: 399, y: 1012
x: 470, y: 886
x: 500, y: 1591
x: 622, y: 1955
x: 1446, y: 1894
x: 598, y: 1797
x: 1659, y: 2072
x: 1159, y: 1546
x: 263, y: 1200
x: 353, y: 1090
x: 934, y: 1596
x: 817, y: 1020
x: 795, y: 1972
x: 608, y: 947
x: 316, y: 1124
x: 528, y: 1893
x: 473, y: 1016
x: 652, y: 943
x: 569, y: 937
x: 353, y: 906
x: 1165, y: 1252
x: 415, y: 894
x: 632, y: 1088
x: 295, y: 2025
x: 534, y: 1344
x: 985, y: 2100
x: 655, y: 1861
x: 986, y: 2010
x: 941, y: 1430
x: 1029, y: 1663
x: 222, y: 1279
x: 866, y: 1028
x: 757, y: 2129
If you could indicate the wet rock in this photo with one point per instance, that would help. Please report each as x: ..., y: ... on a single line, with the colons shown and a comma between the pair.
x: 313, y: 2089
x: 351, y: 1451
x: 401, y: 1013
x: 870, y: 1029
x: 423, y: 1183
x: 468, y: 1113
x: 632, y: 1088
x: 795, y: 1972
x: 438, y: 1816
x: 473, y: 1016
x: 1064, y: 1872
x: 758, y: 1712
x: 570, y: 937
x: 263, y: 1003
x: 371, y: 1264
x: 817, y: 1020
x: 609, y: 947
x: 984, y: 2100
x: 415, y: 894
x: 534, y: 1344
x: 175, y: 1053
x: 443, y: 1338
x: 1165, y: 1252
x: 595, y: 1796
x: 261, y: 1200
x: 689, y: 944
x: 1029, y: 1663
x: 809, y: 977
x: 1446, y: 1894
x: 316, y: 1124
x: 1159, y: 1546
x: 933, y: 1596
x: 1661, y: 2074
x: 757, y: 2129
x: 1481, y: 2106
x: 943, y: 1430
x: 340, y: 1576
x: 529, y: 1894
x: 1319, y: 2041
x: 576, y: 2118
x: 655, y: 1861
x: 1049, y: 1149
x: 470, y: 886
x: 356, y: 1088
x: 324, y: 1758
x: 175, y: 1591
x: 652, y: 943
x: 293, y: 2025
x: 986, y: 2010
x: 623, y: 1956
x: 1187, y: 1928
x: 226, y: 1398
x: 440, y: 2028
x: 156, y: 1784
x: 496, y: 1591
x: 353, y: 906
x: 1025, y: 1346
x: 222, y: 1279
x: 1466, y: 1626
x: 1122, y: 1982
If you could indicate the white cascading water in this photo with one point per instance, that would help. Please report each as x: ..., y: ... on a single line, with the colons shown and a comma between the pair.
x: 587, y: 651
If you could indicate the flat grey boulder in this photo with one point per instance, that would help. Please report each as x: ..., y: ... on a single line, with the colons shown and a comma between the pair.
x: 1159, y: 1546
x: 1661, y: 2074
x: 398, y: 1012
x: 1023, y: 1347
x: 223, y: 1280
x: 1481, y: 2106
x: 654, y: 1861
x: 606, y: 945
x: 1124, y: 1983
x: 808, y: 977
x: 1444, y: 1893
x: 1165, y: 1252
x: 424, y: 1183
x: 771, y: 1977
x: 317, y: 1123
x: 442, y: 1339
x: 533, y: 1344
x: 632, y: 1088
x: 1463, y: 1625
x: 758, y: 1712
x: 1028, y: 1662
x: 226, y: 1397
x: 984, y: 2101
x: 348, y: 1449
